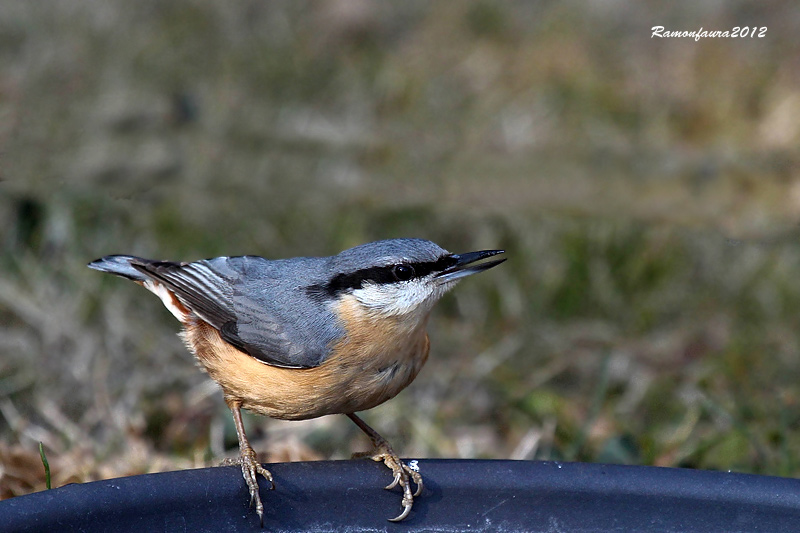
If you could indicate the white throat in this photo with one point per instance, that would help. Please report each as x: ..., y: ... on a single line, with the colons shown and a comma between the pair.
x: 402, y: 299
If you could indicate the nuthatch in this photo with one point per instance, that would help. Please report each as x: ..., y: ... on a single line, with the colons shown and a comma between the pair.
x: 300, y: 338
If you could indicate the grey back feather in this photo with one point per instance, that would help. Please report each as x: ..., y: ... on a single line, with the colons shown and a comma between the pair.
x: 274, y: 314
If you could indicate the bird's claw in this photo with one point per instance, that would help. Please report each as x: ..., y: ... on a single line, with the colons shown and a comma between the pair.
x: 406, y: 510
x: 394, y: 483
x: 402, y: 473
x: 250, y: 470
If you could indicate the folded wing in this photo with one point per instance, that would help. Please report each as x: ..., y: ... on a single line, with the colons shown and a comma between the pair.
x: 213, y: 290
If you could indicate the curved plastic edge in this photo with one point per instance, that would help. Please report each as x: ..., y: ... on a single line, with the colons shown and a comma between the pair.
x: 459, y: 494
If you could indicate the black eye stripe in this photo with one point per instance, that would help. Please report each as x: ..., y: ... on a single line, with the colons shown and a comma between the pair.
x: 379, y: 275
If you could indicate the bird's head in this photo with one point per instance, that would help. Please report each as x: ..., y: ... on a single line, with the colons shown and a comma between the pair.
x: 401, y: 277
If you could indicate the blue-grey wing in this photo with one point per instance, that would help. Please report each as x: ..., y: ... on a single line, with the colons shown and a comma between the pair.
x: 237, y: 296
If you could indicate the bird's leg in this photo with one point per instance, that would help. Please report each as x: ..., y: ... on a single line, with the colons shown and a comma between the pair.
x: 383, y: 452
x: 247, y: 459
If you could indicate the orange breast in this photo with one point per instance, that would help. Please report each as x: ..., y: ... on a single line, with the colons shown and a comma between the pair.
x: 373, y: 362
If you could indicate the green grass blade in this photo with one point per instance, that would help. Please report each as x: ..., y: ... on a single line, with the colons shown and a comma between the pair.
x: 46, y: 465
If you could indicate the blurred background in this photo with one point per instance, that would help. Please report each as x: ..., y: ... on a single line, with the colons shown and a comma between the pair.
x: 647, y: 192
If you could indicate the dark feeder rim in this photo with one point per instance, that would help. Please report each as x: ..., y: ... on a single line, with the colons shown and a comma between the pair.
x: 476, y: 495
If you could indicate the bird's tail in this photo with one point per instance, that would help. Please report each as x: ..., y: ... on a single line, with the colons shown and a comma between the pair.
x: 119, y: 265
x: 122, y: 265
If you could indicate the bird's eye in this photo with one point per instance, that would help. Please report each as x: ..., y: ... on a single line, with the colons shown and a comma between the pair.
x: 403, y: 272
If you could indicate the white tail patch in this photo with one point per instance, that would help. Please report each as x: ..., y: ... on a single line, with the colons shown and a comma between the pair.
x: 169, y: 300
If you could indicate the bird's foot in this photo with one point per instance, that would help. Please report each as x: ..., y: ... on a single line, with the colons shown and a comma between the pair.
x: 250, y: 470
x: 402, y: 472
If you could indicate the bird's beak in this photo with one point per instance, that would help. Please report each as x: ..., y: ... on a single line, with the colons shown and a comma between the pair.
x: 459, y: 268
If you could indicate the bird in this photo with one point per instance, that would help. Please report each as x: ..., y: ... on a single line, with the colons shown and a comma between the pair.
x: 300, y: 338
